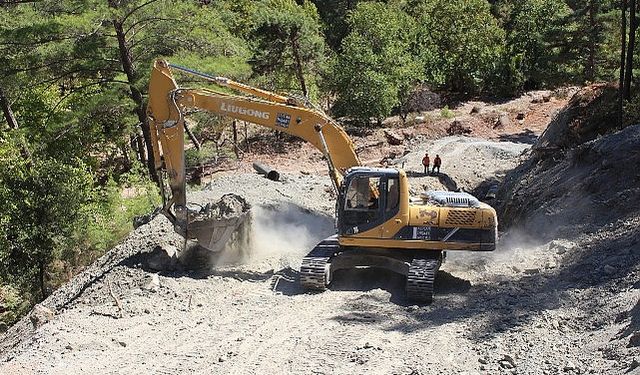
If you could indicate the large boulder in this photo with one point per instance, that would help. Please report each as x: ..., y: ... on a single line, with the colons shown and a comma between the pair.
x: 163, y: 258
x: 40, y: 315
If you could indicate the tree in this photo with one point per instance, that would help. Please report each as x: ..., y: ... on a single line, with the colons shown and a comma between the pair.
x: 42, y: 203
x: 288, y: 41
x: 334, y: 15
x: 528, y: 33
x: 583, y: 50
x: 623, y: 55
x: 84, y: 66
x: 73, y: 78
x: 375, y: 70
x: 459, y: 42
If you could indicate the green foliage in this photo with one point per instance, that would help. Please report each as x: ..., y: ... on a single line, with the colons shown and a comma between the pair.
x: 196, y: 157
x: 445, y: 112
x: 42, y: 206
x: 532, y: 24
x: 13, y: 305
x: 287, y: 43
x: 334, y: 18
x: 458, y: 43
x: 375, y: 70
x: 110, y: 216
x: 632, y: 111
x: 235, y: 67
x: 580, y: 41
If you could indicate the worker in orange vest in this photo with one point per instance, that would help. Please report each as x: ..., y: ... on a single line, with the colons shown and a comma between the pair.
x: 436, y: 164
x: 425, y: 162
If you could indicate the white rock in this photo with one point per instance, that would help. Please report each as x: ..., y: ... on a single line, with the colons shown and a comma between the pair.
x: 154, y: 283
x: 561, y: 246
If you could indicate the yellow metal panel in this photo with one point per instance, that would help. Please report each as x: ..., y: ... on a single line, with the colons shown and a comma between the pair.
x: 396, y: 244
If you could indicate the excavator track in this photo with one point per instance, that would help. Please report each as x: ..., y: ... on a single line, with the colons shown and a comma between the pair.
x: 420, y: 279
x: 314, y: 271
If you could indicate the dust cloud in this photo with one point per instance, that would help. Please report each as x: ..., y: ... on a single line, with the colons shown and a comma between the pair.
x: 287, y: 230
x: 280, y: 233
x: 514, y: 250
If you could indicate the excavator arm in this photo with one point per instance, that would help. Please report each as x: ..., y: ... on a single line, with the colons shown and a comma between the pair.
x: 168, y: 103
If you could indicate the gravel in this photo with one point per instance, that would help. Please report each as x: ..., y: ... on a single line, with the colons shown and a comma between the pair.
x: 536, y: 305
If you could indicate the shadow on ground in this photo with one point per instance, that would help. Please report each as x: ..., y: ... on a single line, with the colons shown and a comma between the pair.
x: 448, y: 182
x: 527, y: 136
x: 444, y: 179
x: 367, y: 279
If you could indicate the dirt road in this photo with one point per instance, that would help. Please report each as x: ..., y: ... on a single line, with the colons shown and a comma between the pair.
x: 508, y: 312
x: 567, y: 306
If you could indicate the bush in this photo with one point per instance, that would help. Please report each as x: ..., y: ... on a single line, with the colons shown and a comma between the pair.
x: 195, y: 157
x: 458, y: 43
x: 13, y: 305
x: 375, y: 71
x: 447, y: 113
x: 110, y: 217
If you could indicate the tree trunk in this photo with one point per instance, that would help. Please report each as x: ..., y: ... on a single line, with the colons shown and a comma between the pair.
x: 126, y: 157
x: 192, y: 136
x: 41, y: 269
x: 136, y: 96
x: 590, y: 68
x: 623, y: 35
x: 246, y: 137
x: 6, y: 109
x: 13, y: 123
x: 235, y: 138
x: 628, y: 73
x: 298, y: 63
x: 142, y: 153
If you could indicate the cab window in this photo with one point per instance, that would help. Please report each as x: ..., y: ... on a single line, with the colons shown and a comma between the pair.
x: 362, y: 194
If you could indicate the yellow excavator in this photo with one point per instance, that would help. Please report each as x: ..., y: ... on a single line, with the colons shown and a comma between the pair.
x: 378, y: 223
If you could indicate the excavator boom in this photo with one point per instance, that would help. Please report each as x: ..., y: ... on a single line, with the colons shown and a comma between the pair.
x: 168, y: 102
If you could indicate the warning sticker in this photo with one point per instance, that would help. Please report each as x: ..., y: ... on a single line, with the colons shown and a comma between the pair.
x: 422, y: 233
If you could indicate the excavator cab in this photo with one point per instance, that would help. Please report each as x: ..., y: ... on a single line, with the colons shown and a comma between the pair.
x: 368, y: 198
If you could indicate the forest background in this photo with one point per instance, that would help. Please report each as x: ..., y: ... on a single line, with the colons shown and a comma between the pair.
x: 74, y: 139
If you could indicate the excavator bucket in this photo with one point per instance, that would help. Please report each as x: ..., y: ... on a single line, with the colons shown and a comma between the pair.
x: 217, y: 232
x: 213, y: 232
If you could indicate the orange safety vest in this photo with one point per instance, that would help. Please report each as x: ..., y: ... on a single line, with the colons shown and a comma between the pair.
x: 437, y: 162
x: 425, y: 160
